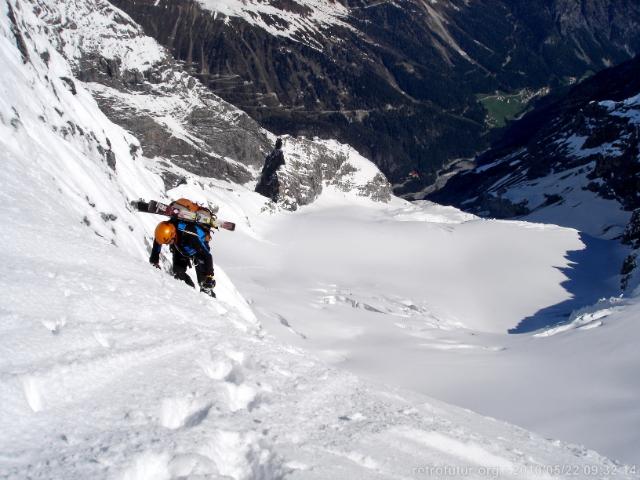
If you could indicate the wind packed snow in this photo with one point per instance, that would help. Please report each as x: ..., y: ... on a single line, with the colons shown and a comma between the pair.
x: 333, y: 329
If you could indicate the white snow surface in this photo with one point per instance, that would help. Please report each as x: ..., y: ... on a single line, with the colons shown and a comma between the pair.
x: 301, y: 20
x: 421, y: 296
x: 331, y: 325
x: 96, y: 26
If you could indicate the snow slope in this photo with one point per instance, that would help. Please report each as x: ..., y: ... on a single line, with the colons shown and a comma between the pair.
x: 112, y: 369
x: 422, y: 296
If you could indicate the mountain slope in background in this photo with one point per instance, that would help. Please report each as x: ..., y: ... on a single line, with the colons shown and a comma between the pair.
x: 574, y: 162
x: 398, y: 80
x: 111, y: 369
x: 180, y: 124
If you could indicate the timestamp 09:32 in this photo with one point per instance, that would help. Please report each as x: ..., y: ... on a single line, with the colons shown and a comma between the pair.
x: 569, y: 470
x: 528, y: 471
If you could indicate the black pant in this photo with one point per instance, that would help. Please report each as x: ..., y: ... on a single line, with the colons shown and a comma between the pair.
x: 204, y: 267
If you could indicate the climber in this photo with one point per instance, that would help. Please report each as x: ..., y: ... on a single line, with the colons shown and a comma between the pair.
x: 188, y: 241
x: 269, y: 185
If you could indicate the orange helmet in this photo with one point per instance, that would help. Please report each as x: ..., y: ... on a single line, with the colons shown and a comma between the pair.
x: 165, y: 233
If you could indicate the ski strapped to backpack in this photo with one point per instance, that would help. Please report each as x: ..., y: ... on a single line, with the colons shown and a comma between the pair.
x: 184, y: 209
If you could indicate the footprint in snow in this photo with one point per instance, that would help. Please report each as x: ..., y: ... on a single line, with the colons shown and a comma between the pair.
x: 227, y: 367
x: 245, y: 455
x: 148, y: 466
x: 55, y: 326
x: 217, y: 367
x: 232, y: 455
x: 185, y: 411
x: 242, y: 397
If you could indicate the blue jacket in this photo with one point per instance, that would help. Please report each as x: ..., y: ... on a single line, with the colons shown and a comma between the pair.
x: 191, y: 241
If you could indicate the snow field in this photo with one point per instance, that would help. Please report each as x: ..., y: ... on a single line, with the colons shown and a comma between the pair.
x: 422, y: 296
x: 148, y: 379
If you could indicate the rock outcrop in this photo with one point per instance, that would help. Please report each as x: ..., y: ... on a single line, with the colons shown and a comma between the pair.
x: 337, y: 166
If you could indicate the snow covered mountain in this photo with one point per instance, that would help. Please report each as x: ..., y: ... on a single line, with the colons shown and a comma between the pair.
x: 178, y: 121
x: 402, y: 80
x: 574, y: 162
x: 110, y: 368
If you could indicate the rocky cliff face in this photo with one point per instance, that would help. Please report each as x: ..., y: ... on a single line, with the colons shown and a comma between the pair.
x: 576, y: 160
x: 184, y: 129
x: 339, y: 167
x: 396, y: 79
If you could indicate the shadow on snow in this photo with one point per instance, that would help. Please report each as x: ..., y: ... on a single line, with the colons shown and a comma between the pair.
x: 592, y: 274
